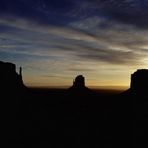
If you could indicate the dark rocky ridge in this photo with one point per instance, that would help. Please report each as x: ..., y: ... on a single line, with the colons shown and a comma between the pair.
x: 10, y: 80
x: 138, y: 85
x: 139, y: 81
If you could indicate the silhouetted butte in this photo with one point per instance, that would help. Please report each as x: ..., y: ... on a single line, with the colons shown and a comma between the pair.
x: 79, y: 85
x: 139, y: 82
x: 10, y: 80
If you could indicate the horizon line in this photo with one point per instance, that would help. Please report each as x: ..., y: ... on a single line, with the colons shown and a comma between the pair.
x: 117, y: 87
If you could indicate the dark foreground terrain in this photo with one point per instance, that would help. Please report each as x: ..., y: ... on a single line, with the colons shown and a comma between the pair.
x: 61, y: 118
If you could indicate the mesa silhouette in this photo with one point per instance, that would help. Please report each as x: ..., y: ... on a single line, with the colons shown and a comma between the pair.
x: 78, y: 86
x: 139, y: 82
x: 40, y: 116
x: 10, y: 80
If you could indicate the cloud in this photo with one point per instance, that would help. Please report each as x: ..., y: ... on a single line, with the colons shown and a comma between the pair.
x: 57, y: 12
x: 82, y: 40
x: 132, y: 12
x: 112, y: 57
x: 87, y: 45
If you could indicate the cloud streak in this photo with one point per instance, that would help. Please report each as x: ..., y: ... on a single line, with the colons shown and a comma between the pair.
x: 98, y: 44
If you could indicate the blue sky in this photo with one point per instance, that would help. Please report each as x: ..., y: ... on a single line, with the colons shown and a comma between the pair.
x: 55, y: 40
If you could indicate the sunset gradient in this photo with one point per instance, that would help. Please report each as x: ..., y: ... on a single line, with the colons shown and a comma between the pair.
x: 56, y: 40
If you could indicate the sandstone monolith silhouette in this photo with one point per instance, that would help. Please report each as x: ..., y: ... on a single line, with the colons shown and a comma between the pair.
x: 10, y: 80
x: 78, y: 86
x: 139, y: 82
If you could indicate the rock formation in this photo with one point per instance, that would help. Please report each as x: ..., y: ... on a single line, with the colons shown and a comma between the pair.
x: 79, y: 85
x: 139, y: 82
x: 10, y: 80
x: 79, y: 82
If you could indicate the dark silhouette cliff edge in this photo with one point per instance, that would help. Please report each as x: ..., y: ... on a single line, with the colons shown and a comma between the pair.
x: 10, y: 80
x: 138, y: 84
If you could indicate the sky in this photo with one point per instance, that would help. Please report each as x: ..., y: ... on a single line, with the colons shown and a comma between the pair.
x: 56, y: 40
